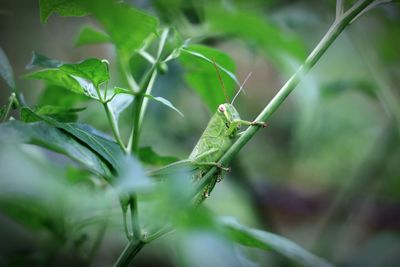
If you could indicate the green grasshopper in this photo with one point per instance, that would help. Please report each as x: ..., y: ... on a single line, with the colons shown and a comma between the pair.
x: 219, y: 135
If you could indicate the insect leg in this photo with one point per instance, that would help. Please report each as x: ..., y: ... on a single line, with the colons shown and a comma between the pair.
x: 216, y: 164
x: 252, y: 123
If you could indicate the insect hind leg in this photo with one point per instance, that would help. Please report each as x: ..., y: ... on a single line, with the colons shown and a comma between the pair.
x: 212, y: 164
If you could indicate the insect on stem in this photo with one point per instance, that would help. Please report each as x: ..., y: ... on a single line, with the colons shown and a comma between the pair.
x: 220, y: 80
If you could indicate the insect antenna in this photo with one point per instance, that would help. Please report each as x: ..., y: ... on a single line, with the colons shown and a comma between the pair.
x: 241, y: 87
x: 220, y: 80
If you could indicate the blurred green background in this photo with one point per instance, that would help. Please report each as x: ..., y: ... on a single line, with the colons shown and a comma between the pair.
x: 324, y: 173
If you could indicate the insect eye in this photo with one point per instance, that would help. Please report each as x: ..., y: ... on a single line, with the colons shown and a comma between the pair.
x: 221, y: 108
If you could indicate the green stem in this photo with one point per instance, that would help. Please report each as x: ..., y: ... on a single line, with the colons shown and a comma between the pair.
x: 114, y: 127
x: 145, y: 88
x: 9, y: 106
x: 111, y: 120
x: 127, y: 74
x: 139, y: 109
x: 337, y: 27
x: 134, y: 218
x: 129, y: 252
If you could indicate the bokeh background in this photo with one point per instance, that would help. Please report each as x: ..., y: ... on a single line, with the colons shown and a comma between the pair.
x: 325, y: 173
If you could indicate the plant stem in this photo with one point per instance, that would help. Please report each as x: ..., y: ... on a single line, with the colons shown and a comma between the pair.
x: 145, y: 86
x: 111, y: 120
x: 128, y: 76
x: 9, y: 107
x: 114, y: 127
x: 129, y: 252
x: 134, y: 217
x: 337, y: 27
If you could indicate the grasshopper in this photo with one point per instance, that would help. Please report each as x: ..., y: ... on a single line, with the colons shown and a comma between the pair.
x: 219, y: 135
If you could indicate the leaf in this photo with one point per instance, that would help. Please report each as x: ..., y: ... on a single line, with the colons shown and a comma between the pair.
x: 62, y: 114
x: 149, y: 156
x: 44, y: 135
x: 126, y: 26
x: 36, y: 193
x: 120, y: 90
x: 88, y: 35
x: 57, y: 77
x: 57, y: 96
x: 164, y: 102
x: 6, y: 71
x: 255, y: 28
x: 62, y: 79
x: 62, y: 7
x: 92, y: 69
x: 268, y: 241
x: 81, y: 78
x: 43, y: 61
x: 90, y: 137
x: 119, y: 103
x: 202, y: 76
x: 210, y: 60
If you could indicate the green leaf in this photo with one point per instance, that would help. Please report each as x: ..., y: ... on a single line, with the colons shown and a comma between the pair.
x: 119, y: 103
x: 57, y: 77
x: 88, y: 35
x: 90, y: 137
x: 92, y: 69
x: 126, y: 26
x: 58, y: 96
x: 164, y: 102
x: 120, y: 90
x: 39, y: 60
x: 202, y: 76
x: 62, y: 7
x: 149, y: 156
x: 81, y: 78
x: 47, y: 136
x: 62, y: 79
x: 192, y: 51
x: 268, y: 241
x: 62, y: 114
x: 255, y: 28
x: 6, y: 71
x: 36, y: 193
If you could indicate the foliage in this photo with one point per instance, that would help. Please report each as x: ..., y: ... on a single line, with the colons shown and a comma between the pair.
x: 101, y: 178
